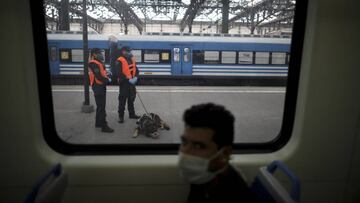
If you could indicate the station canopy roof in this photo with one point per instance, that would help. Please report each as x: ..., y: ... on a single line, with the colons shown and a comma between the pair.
x: 167, y: 10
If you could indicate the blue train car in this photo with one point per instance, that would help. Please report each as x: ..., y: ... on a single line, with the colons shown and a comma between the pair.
x: 176, y: 56
x: 66, y: 52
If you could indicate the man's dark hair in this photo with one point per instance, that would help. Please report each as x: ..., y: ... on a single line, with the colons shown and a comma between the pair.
x: 215, y: 117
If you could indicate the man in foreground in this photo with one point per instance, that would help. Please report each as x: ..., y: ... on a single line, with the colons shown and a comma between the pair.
x: 206, y: 146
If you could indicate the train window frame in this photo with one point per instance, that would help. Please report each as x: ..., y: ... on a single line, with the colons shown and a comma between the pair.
x: 278, y: 63
x: 187, y: 53
x: 222, y: 57
x: 212, y: 52
x: 153, y: 52
x: 176, y: 56
x: 77, y: 56
x: 198, y: 57
x: 60, y: 146
x: 252, y: 57
x: 138, y: 55
x: 53, y: 53
x: 61, y: 59
x: 261, y: 60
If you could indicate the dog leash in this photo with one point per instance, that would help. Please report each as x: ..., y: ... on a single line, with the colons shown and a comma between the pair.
x: 143, y: 104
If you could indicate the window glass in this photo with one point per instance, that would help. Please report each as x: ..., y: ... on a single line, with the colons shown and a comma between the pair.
x: 151, y: 56
x: 278, y: 58
x: 211, y: 57
x: 262, y: 57
x: 228, y: 57
x: 137, y: 54
x: 176, y: 54
x: 53, y: 53
x: 64, y: 55
x: 165, y: 56
x: 246, y: 57
x: 77, y: 55
x: 198, y: 57
x: 186, y: 54
x: 245, y: 70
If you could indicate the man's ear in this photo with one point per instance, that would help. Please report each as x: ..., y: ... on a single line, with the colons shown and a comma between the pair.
x: 222, y: 160
x: 227, y: 151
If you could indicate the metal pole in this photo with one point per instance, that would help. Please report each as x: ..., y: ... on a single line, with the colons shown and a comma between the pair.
x: 86, y: 108
x: 64, y: 23
x: 225, y: 16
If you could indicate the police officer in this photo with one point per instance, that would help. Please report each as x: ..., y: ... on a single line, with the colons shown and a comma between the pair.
x: 126, y: 73
x: 98, y: 80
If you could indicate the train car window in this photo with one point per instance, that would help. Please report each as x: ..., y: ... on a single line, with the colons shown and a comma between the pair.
x: 245, y: 57
x: 137, y: 54
x: 165, y: 56
x: 250, y: 73
x: 198, y: 57
x: 53, y: 53
x: 77, y: 55
x: 228, y: 57
x: 176, y: 54
x: 151, y: 56
x: 278, y: 58
x: 187, y: 54
x: 65, y: 55
x: 262, y: 57
x: 211, y: 57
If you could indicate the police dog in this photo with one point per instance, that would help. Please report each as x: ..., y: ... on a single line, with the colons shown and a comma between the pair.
x: 149, y: 124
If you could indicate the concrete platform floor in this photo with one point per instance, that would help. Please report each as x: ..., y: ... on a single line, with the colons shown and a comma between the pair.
x: 258, y: 112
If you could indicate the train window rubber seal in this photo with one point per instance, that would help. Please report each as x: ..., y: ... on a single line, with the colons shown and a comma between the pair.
x: 57, y: 144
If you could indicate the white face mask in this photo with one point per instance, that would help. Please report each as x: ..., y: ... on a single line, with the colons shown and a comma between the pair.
x: 195, y: 169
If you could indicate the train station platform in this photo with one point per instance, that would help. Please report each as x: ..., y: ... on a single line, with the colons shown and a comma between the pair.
x: 258, y: 112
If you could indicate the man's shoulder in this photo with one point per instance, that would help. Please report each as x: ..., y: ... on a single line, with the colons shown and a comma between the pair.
x: 235, y: 176
x: 238, y: 184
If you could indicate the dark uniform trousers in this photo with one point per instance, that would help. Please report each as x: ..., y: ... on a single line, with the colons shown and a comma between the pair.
x: 127, y: 93
x: 100, y: 100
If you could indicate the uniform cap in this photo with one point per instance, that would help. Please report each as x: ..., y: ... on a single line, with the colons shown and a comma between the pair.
x: 95, y: 51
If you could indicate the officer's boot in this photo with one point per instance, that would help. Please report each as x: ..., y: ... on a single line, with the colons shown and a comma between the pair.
x: 133, y: 116
x: 121, y: 118
x: 107, y: 129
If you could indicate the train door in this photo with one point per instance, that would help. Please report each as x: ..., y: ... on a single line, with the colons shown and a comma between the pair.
x: 182, y: 60
x: 54, y: 58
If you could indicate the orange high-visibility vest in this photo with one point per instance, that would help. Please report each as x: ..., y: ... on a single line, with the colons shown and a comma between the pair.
x: 128, y: 70
x: 92, y: 77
